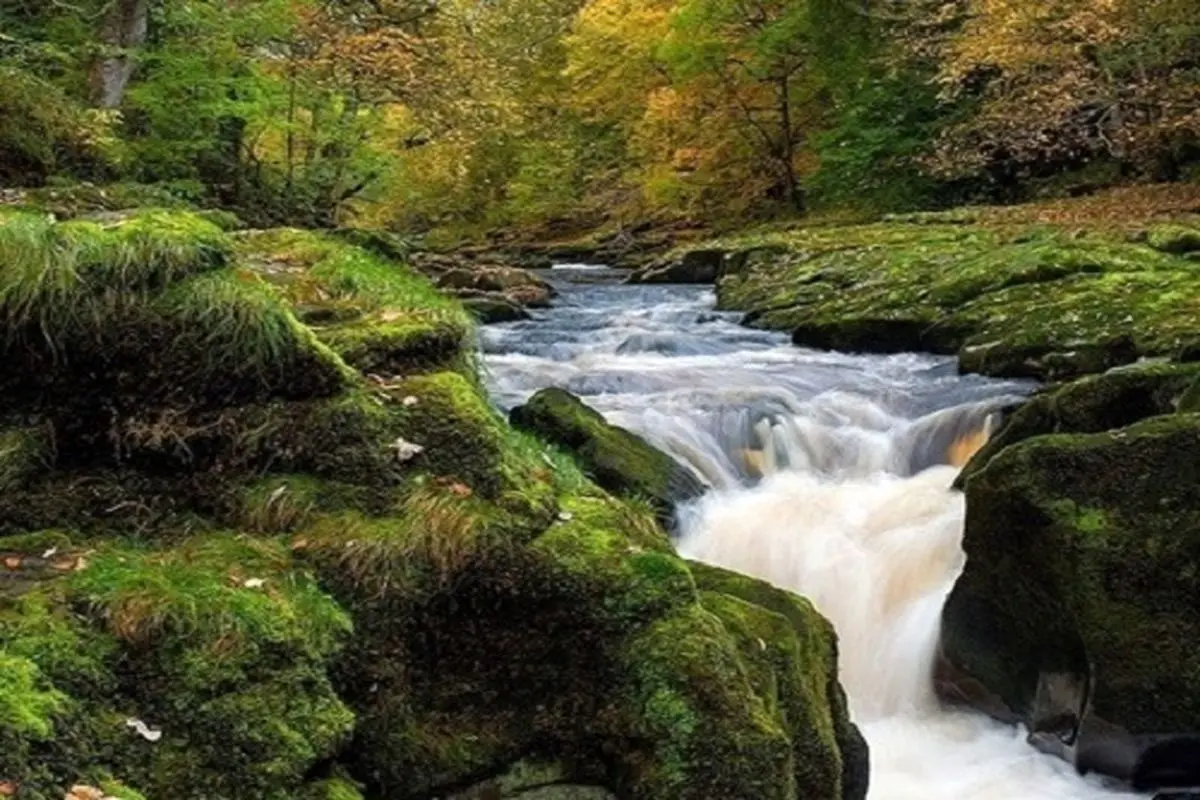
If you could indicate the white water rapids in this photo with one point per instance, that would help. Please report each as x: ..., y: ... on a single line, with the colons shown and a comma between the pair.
x: 830, y: 479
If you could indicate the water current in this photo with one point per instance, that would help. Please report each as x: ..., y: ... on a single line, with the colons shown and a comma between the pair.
x: 831, y: 477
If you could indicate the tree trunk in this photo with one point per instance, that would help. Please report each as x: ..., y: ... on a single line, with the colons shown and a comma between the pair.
x: 793, y: 194
x: 123, y: 29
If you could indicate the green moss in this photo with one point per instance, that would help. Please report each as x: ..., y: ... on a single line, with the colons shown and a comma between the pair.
x: 622, y: 562
x: 1021, y: 301
x: 23, y: 453
x: 462, y: 436
x: 707, y: 733
x: 432, y: 536
x: 333, y: 789
x: 55, y: 276
x: 316, y: 271
x: 26, y: 707
x: 1082, y: 548
x: 198, y: 592
x: 1174, y: 239
x: 791, y: 652
x: 375, y: 345
x: 148, y: 316
x: 232, y: 670
x: 616, y: 459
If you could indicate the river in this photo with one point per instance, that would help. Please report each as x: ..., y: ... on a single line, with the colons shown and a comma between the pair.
x: 830, y: 477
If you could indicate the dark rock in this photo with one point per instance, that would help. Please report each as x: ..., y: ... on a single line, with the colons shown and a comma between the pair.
x: 1083, y: 557
x: 862, y: 335
x: 518, y: 285
x: 490, y: 308
x: 617, y: 459
x: 694, y: 266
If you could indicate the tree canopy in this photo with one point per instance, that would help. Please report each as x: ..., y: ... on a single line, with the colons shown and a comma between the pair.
x: 419, y: 114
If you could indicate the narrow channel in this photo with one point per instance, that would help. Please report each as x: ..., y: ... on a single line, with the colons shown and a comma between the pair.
x: 831, y: 477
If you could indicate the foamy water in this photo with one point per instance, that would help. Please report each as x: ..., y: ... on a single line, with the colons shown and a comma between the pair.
x: 829, y: 479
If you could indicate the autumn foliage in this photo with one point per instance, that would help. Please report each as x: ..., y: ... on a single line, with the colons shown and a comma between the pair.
x: 469, y: 116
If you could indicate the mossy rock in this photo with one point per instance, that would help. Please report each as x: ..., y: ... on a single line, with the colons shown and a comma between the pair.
x: 587, y: 647
x: 1083, y: 549
x: 805, y: 639
x: 1174, y: 239
x: 380, y: 346
x: 615, y: 458
x: 1093, y: 405
x: 145, y: 311
x: 1014, y: 302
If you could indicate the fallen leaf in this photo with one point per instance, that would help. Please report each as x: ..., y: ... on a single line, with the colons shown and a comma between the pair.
x: 144, y: 730
x: 410, y: 401
x: 12, y: 563
x: 406, y: 451
x: 8, y: 788
x: 53, y: 551
x: 566, y: 516
x: 461, y: 490
x: 299, y: 544
x: 81, y: 792
x: 254, y: 583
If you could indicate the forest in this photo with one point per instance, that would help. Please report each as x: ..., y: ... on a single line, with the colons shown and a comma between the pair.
x: 466, y: 116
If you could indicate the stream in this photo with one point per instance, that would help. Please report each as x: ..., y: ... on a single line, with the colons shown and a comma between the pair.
x: 831, y: 477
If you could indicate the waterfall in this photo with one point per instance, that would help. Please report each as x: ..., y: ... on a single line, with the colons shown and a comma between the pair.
x: 868, y: 527
x: 831, y: 477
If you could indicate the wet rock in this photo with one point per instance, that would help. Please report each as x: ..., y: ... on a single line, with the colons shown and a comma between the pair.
x: 490, y: 308
x: 1043, y: 304
x: 617, y: 459
x: 862, y: 335
x: 1093, y: 405
x: 694, y: 266
x: 1076, y: 606
x: 517, y: 285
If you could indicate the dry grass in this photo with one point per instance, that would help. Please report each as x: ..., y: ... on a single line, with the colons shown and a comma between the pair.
x: 435, y: 531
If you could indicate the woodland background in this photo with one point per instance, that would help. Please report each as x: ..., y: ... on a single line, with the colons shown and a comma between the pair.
x: 465, y: 116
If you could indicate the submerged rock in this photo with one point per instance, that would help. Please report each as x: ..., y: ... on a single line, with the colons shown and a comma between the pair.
x: 617, y: 459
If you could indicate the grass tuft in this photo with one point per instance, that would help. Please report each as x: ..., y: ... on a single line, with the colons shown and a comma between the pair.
x: 199, y: 593
x: 60, y: 278
x: 435, y: 530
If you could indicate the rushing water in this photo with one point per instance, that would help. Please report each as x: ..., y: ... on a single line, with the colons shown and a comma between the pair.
x: 831, y: 477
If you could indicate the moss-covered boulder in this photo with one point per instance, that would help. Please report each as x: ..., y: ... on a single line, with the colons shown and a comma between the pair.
x: 1014, y: 301
x: 1078, y: 597
x: 617, y: 459
x: 262, y: 537
x: 1093, y: 405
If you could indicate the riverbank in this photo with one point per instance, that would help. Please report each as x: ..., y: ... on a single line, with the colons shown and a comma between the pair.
x: 1049, y: 291
x: 262, y: 536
